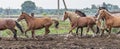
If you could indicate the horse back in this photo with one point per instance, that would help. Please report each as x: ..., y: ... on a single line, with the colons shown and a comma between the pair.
x: 6, y: 23
x: 41, y: 22
x: 83, y: 21
x: 115, y: 21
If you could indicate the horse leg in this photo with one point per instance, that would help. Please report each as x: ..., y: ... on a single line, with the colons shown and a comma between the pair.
x: 26, y: 32
x: 98, y: 31
x: 15, y: 33
x: 93, y: 31
x: 102, y: 32
x: 72, y: 29
x: 33, y: 34
x: 46, y: 30
x: 109, y: 32
x: 81, y: 31
x: 87, y: 30
x: 77, y: 30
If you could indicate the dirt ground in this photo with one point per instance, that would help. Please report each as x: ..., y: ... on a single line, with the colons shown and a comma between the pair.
x: 56, y: 41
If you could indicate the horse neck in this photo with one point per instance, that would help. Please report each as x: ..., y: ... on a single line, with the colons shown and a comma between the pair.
x: 73, y: 18
x: 28, y: 18
x: 107, y: 15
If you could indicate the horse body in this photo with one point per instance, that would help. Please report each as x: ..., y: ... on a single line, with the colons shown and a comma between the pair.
x: 114, y: 22
x: 37, y: 23
x: 33, y: 23
x: 10, y: 24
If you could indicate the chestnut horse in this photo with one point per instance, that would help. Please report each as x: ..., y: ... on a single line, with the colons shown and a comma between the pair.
x: 80, y: 13
x: 79, y: 22
x: 37, y: 23
x: 110, y: 21
x: 10, y: 24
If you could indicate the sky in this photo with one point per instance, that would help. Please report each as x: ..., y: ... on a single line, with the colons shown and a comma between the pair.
x: 52, y: 4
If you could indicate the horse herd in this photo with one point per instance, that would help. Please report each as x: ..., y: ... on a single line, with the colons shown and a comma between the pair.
x: 77, y: 19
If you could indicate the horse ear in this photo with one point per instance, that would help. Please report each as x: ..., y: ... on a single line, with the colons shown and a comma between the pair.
x: 22, y: 12
x: 65, y: 12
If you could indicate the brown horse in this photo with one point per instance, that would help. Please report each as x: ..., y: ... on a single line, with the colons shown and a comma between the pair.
x: 80, y: 13
x: 37, y: 23
x: 79, y: 22
x: 110, y: 21
x: 10, y: 24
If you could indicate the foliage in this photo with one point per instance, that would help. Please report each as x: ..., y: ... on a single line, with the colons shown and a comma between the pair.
x: 93, y: 6
x: 40, y: 10
x: 28, y: 6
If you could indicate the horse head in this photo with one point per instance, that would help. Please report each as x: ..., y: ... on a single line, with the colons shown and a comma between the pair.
x: 65, y: 15
x: 22, y: 16
x: 101, y: 14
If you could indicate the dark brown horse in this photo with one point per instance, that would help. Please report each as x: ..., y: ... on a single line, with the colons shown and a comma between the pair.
x: 79, y: 22
x: 10, y: 24
x: 37, y: 23
x: 80, y: 13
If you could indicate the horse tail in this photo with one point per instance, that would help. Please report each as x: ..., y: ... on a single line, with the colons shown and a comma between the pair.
x: 19, y: 26
x: 56, y: 23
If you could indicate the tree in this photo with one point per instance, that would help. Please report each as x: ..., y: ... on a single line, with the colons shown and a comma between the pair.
x: 93, y: 7
x: 1, y: 10
x: 104, y: 5
x: 115, y: 7
x: 28, y: 6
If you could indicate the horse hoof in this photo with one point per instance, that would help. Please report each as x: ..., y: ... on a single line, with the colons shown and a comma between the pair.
x: 108, y: 36
x: 93, y: 35
x: 35, y: 38
x: 16, y: 38
x: 27, y: 36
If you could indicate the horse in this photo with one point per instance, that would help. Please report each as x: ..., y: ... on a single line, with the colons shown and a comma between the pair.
x: 37, y: 23
x: 79, y: 22
x: 10, y: 24
x: 110, y: 20
x: 82, y: 14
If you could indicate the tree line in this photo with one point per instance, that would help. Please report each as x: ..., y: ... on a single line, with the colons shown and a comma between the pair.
x: 30, y: 7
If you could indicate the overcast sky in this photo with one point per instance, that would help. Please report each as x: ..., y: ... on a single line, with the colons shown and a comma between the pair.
x: 52, y: 4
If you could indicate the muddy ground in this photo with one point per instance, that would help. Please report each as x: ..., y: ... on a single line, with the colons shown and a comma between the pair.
x: 60, y: 42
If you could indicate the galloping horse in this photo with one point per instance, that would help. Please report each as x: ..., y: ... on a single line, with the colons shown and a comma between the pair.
x: 10, y: 24
x: 79, y: 22
x: 37, y: 23
x: 80, y: 13
x: 110, y: 21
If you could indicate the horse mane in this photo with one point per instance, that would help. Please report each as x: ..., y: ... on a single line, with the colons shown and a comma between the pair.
x: 83, y: 14
x: 72, y: 13
x: 27, y: 15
